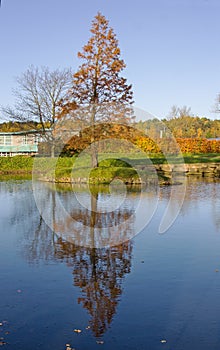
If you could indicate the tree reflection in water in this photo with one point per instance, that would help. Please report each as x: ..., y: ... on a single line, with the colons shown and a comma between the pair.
x: 99, y: 274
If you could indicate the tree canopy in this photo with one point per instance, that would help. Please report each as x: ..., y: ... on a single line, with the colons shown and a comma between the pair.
x: 98, y: 78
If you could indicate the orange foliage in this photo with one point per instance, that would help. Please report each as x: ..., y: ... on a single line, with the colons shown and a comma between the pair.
x: 186, y: 145
x: 197, y: 145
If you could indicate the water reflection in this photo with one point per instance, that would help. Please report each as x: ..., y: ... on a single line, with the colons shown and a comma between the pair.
x: 96, y: 218
x: 35, y: 239
x: 39, y: 243
x: 99, y: 274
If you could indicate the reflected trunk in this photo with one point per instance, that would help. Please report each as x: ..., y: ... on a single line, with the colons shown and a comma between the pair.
x: 94, y: 198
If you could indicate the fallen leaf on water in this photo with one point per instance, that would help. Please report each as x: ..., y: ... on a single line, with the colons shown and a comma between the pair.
x: 68, y: 347
x: 77, y: 330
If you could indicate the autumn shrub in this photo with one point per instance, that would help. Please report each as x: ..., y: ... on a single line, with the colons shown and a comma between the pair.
x: 147, y: 145
x: 197, y: 145
x: 183, y: 145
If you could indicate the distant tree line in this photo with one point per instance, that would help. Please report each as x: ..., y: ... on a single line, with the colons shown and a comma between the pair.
x: 181, y: 127
x: 13, y: 126
x: 184, y: 126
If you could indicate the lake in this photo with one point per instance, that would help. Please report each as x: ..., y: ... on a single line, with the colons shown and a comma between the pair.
x: 95, y: 271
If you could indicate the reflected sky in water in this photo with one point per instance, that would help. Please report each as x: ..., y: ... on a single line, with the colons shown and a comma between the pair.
x: 130, y: 296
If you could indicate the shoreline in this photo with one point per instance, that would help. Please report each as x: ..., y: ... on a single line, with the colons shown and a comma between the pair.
x: 166, y: 174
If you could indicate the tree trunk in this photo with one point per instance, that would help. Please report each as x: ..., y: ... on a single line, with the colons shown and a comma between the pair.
x: 94, y: 156
x: 94, y: 153
x: 52, y: 150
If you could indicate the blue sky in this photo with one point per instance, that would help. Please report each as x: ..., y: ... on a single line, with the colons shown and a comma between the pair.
x: 171, y: 47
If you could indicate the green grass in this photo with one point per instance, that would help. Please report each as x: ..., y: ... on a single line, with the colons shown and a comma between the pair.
x: 202, y: 158
x: 114, y: 162
x: 188, y: 159
x: 121, y: 167
x: 16, y: 165
x: 105, y: 175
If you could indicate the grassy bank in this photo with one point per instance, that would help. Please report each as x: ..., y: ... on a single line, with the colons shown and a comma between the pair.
x: 78, y: 169
x: 16, y: 165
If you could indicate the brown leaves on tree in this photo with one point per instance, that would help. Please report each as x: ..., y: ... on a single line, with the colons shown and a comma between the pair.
x: 98, y: 78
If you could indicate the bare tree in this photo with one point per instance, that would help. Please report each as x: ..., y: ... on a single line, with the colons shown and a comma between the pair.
x: 216, y: 108
x: 178, y: 112
x: 37, y: 98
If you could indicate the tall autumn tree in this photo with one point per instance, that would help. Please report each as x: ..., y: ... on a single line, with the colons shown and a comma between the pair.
x: 97, y: 85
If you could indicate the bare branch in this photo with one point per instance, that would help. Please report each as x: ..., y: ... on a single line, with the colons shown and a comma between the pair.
x: 38, y: 94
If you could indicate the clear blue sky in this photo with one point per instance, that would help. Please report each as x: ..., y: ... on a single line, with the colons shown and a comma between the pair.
x: 171, y: 47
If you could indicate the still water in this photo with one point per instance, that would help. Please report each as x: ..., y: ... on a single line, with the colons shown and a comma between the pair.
x: 150, y: 291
